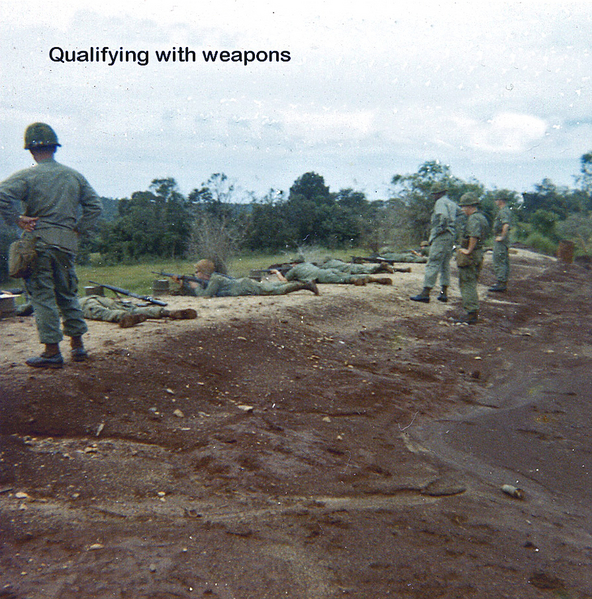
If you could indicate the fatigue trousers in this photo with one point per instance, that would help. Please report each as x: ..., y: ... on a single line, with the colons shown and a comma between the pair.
x: 331, y: 276
x: 439, y: 261
x: 501, y: 261
x: 53, y: 289
x: 251, y: 287
x: 467, y: 281
x: 109, y: 310
x: 354, y: 269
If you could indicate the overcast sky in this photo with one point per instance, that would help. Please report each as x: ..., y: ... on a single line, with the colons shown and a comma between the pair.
x: 499, y: 91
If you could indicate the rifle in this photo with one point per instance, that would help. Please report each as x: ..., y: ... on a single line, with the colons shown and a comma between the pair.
x: 182, y: 277
x: 259, y: 273
x: 378, y: 259
x: 146, y: 298
x: 360, y: 259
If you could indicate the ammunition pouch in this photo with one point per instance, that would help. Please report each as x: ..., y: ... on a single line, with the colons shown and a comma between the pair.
x: 22, y: 257
x: 463, y: 260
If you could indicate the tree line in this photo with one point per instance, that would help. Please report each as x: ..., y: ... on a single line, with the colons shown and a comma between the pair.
x: 161, y: 222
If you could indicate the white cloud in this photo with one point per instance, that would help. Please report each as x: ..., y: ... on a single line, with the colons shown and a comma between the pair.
x: 372, y: 87
x: 327, y: 125
x: 507, y: 133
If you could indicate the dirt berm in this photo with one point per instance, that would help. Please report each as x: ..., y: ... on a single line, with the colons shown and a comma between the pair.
x: 353, y: 444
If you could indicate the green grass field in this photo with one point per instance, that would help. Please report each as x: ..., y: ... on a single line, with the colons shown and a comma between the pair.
x: 139, y: 278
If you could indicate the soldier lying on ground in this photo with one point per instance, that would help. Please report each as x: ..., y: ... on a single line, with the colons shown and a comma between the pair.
x: 351, y: 268
x: 97, y: 307
x: 208, y: 283
x: 411, y: 256
x: 307, y: 271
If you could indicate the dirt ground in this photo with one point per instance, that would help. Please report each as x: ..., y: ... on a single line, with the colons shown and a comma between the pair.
x: 353, y: 444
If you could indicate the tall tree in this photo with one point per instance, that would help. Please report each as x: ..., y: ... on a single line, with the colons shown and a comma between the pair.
x: 547, y: 196
x: 310, y: 209
x: 415, y: 201
x: 151, y: 223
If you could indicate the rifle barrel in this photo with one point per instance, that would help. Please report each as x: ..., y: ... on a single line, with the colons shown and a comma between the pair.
x: 146, y: 298
x: 185, y: 277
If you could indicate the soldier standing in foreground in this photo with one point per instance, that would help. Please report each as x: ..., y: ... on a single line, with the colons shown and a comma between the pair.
x: 52, y: 195
x: 501, y: 245
x: 441, y: 241
x: 471, y: 256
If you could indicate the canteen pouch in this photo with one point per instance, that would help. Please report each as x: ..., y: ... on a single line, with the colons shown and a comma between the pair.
x: 462, y: 260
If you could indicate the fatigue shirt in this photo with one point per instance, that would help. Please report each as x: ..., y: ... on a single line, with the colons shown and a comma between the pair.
x: 503, y: 217
x: 54, y: 193
x: 216, y: 286
x: 476, y: 226
x: 305, y: 271
x: 444, y: 217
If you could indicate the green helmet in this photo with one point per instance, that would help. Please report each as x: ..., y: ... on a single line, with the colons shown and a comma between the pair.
x: 439, y: 187
x: 39, y: 135
x: 469, y: 199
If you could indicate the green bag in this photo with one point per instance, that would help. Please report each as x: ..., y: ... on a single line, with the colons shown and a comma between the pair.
x: 22, y: 257
x: 462, y: 260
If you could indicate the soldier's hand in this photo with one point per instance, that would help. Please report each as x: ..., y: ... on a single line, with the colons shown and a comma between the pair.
x: 27, y: 223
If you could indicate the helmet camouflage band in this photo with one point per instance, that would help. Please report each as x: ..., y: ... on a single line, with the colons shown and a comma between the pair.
x: 40, y: 135
x: 469, y: 199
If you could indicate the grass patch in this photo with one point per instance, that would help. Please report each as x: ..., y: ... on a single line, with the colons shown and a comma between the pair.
x: 140, y: 277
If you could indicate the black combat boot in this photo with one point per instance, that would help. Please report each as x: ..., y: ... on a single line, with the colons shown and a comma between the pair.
x: 50, y: 358
x: 424, y: 296
x: 443, y: 297
x: 499, y: 287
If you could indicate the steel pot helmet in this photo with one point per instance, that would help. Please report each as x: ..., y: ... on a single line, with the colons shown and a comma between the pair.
x: 39, y: 135
x: 469, y: 199
x: 439, y: 187
x: 205, y: 267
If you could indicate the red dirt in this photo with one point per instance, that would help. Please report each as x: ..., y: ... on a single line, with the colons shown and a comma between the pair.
x: 347, y: 445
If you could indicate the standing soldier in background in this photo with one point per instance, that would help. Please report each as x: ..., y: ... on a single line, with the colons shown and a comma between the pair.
x: 441, y: 241
x: 501, y: 244
x: 52, y: 195
x: 470, y: 255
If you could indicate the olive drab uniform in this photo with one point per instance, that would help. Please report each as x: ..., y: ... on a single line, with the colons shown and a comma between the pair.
x: 66, y: 207
x: 404, y: 257
x: 350, y: 268
x: 501, y: 249
x: 442, y: 237
x: 306, y: 271
x: 475, y: 226
x: 96, y: 307
x: 219, y: 285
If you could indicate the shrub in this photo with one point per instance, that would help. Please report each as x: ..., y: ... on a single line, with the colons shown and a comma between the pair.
x: 541, y: 243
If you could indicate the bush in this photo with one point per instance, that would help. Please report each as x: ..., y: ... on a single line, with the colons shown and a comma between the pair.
x: 541, y: 243
x: 577, y: 228
x: 216, y: 238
